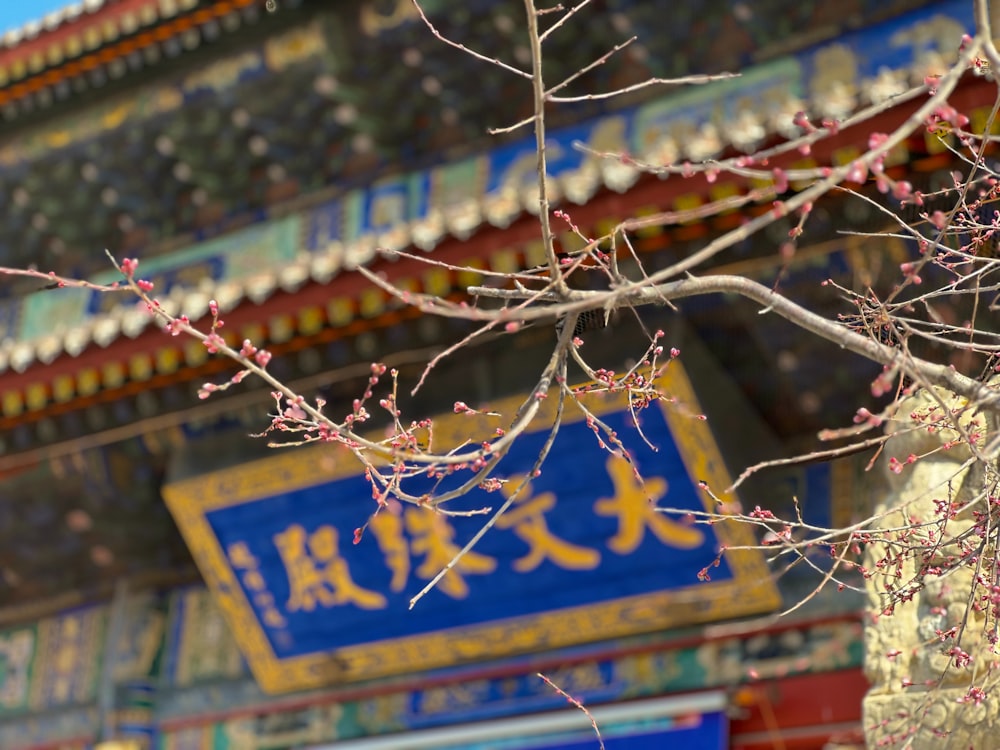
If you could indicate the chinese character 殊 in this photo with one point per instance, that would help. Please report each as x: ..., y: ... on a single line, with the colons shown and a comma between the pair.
x: 433, y: 537
x: 317, y: 574
x: 527, y: 519
x: 634, y: 505
x: 388, y: 530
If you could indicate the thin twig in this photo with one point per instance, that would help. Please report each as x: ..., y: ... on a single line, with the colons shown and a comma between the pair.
x: 472, y: 53
x: 573, y: 701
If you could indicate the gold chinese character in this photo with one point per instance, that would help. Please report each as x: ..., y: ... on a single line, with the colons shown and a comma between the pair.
x: 273, y: 619
x: 263, y: 599
x: 254, y: 581
x: 317, y: 574
x: 388, y: 530
x: 240, y: 555
x: 527, y: 518
x: 433, y: 537
x: 634, y: 504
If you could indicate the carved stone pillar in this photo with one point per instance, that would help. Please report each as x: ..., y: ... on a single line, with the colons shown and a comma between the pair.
x: 922, y: 693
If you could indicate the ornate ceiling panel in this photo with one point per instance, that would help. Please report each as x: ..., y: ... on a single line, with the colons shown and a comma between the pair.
x: 312, y: 100
x: 79, y: 523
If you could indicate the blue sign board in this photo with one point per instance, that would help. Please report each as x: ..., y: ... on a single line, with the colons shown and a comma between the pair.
x: 582, y: 555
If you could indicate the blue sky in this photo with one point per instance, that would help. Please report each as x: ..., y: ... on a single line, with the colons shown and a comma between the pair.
x: 15, y: 13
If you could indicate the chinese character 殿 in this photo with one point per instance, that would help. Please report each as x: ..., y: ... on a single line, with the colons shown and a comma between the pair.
x: 317, y: 574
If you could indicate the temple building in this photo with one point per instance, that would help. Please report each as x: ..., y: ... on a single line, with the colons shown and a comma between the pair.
x: 169, y: 581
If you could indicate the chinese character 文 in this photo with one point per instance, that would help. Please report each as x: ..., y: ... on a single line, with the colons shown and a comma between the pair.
x: 317, y: 574
x: 527, y: 519
x: 433, y: 537
x: 634, y: 505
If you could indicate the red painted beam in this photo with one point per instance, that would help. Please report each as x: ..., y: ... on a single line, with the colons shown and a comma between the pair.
x: 799, y: 713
